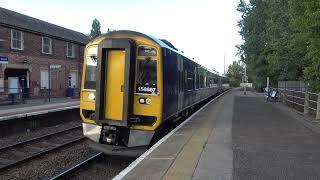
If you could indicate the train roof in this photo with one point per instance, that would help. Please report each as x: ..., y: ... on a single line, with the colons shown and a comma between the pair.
x: 161, y: 42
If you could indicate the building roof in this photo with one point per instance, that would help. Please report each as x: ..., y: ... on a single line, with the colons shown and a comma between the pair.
x: 20, y: 21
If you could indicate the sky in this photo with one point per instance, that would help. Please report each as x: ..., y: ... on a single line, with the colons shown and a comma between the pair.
x: 203, y: 29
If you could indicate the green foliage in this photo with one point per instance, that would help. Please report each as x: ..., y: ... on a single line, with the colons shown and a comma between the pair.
x: 95, y: 31
x: 281, y: 40
x: 235, y: 73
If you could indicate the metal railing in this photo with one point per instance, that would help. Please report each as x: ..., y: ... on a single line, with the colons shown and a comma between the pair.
x: 304, y: 101
x: 19, y: 95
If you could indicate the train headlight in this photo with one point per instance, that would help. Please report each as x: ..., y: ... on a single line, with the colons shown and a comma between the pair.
x: 92, y: 96
x: 148, y: 101
x: 142, y: 100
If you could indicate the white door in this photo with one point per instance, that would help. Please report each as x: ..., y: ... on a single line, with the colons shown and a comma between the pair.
x: 13, y: 85
x: 1, y: 85
x: 74, y: 78
x: 44, y: 76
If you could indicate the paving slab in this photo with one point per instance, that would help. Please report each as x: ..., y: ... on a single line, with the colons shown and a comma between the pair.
x: 270, y: 143
x: 240, y: 137
x: 180, y: 153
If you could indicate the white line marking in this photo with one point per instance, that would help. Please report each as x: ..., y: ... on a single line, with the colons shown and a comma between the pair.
x: 164, y: 158
x: 37, y: 113
x: 124, y: 172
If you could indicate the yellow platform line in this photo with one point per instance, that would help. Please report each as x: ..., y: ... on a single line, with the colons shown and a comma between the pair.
x: 187, y: 160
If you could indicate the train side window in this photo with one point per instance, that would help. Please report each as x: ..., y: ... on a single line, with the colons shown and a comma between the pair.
x: 201, y: 79
x: 190, y: 80
x: 146, y: 76
x: 197, y: 80
x: 207, y: 80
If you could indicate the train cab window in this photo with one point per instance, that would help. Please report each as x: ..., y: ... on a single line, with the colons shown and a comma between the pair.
x: 91, y: 73
x: 146, y: 76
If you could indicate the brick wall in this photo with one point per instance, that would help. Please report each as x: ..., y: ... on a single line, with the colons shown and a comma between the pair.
x: 33, y: 46
x: 32, y: 58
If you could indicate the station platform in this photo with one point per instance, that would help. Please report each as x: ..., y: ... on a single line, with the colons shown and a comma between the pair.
x: 234, y: 137
x: 23, y: 110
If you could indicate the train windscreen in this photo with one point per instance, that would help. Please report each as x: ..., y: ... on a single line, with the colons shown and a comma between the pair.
x: 146, y: 76
x: 91, y: 73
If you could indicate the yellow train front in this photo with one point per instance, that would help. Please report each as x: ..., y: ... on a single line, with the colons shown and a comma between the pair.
x: 132, y: 84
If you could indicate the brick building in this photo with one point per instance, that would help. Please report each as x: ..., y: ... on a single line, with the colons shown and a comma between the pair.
x: 34, y: 52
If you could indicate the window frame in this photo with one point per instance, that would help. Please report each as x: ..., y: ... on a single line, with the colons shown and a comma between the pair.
x: 76, y: 80
x: 190, y: 77
x: 21, y: 40
x: 50, y: 45
x: 72, y: 50
x: 136, y: 76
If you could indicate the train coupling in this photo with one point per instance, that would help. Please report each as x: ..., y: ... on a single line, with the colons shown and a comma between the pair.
x: 111, y: 135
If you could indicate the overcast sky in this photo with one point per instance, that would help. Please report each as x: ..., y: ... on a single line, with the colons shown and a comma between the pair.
x: 204, y: 29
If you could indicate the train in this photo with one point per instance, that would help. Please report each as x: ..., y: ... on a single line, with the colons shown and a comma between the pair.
x: 133, y: 84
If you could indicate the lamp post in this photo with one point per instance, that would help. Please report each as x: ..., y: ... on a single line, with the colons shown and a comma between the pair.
x: 245, y: 79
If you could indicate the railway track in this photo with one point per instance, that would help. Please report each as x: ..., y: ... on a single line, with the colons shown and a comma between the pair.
x: 18, y: 153
x: 77, y: 167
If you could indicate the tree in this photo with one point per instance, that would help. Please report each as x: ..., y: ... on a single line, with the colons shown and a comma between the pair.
x: 275, y: 42
x: 95, y: 31
x: 305, y: 15
x: 235, y: 73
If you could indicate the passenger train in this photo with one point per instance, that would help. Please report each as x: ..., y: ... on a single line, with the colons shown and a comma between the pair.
x: 133, y: 84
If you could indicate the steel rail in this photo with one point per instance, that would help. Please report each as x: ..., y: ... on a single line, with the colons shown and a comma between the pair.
x: 39, y: 138
x: 40, y: 152
x: 76, y: 167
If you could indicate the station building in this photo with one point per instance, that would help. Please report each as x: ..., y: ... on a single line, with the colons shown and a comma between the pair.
x: 34, y: 53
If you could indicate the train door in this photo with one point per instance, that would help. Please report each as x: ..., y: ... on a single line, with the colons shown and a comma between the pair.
x: 114, y: 84
x: 180, y: 83
x: 115, y: 81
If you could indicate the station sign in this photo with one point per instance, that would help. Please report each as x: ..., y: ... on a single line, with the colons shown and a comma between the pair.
x: 246, y: 85
x: 4, y: 60
x: 55, y: 66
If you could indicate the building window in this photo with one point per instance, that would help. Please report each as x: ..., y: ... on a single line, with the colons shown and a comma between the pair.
x: 74, y: 79
x: 46, y: 45
x: 70, y: 50
x: 16, y: 40
x: 44, y: 79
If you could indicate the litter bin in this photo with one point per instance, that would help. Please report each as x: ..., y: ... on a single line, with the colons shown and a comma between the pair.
x: 13, y: 97
x: 70, y: 92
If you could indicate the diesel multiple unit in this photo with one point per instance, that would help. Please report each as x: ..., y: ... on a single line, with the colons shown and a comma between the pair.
x: 133, y: 84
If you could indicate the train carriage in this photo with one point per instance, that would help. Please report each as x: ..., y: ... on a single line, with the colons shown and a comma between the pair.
x: 133, y: 84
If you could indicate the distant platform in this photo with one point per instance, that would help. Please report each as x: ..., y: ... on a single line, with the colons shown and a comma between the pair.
x: 32, y: 110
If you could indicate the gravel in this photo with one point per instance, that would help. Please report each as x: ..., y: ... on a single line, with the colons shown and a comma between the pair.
x: 51, y: 164
x: 54, y: 163
x: 105, y: 168
x: 20, y: 137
